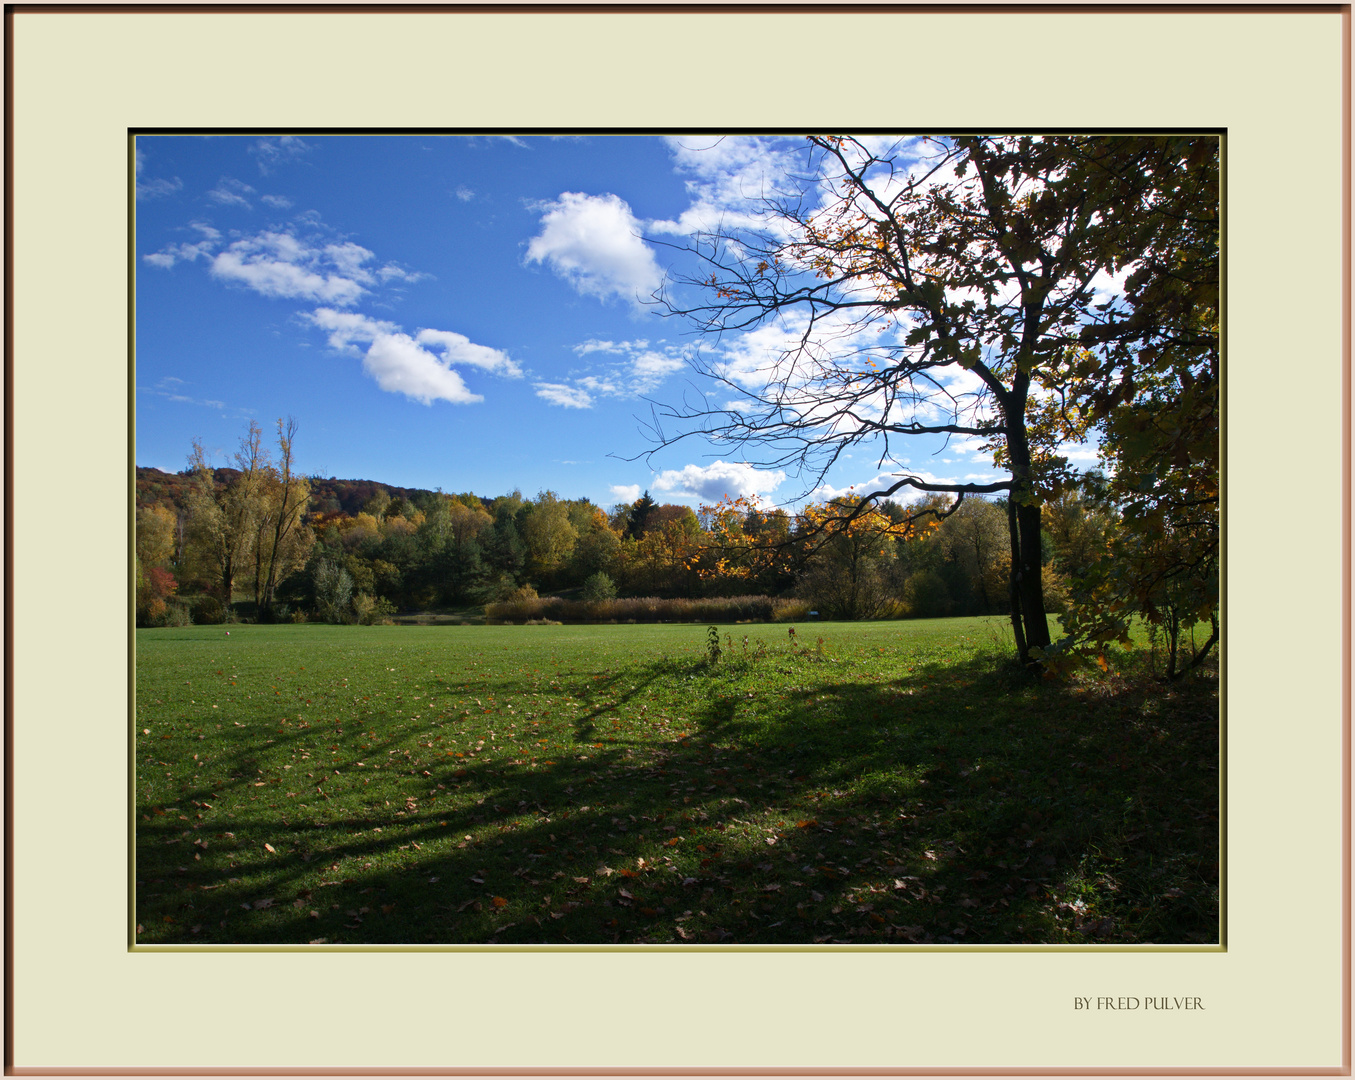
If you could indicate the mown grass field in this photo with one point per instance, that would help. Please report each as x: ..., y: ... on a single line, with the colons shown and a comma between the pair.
x: 893, y: 783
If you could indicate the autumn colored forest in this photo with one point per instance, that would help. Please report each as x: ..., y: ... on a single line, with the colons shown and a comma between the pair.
x: 259, y: 544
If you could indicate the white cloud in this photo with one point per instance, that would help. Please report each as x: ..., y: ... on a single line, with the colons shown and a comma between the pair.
x: 719, y: 479
x: 400, y: 365
x: 595, y: 384
x: 278, y: 202
x: 281, y: 265
x: 568, y: 397
x: 728, y: 178
x: 230, y: 192
x: 459, y: 349
x: 593, y: 242
x: 626, y: 493
x: 347, y: 328
x: 348, y: 258
x: 464, y: 193
x: 594, y: 345
x: 152, y: 189
x: 281, y: 279
x: 1107, y: 287
x: 651, y: 368
x: 271, y: 153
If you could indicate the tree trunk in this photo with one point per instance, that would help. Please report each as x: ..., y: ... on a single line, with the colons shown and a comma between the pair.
x: 1030, y: 581
x: 1023, y: 522
x: 1014, y: 593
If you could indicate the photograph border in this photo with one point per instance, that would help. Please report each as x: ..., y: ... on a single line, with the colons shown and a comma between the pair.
x: 17, y: 609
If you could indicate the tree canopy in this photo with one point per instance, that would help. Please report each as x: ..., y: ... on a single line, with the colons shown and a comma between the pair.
x: 968, y: 287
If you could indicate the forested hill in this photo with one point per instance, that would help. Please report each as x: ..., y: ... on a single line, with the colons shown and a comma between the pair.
x: 329, y: 496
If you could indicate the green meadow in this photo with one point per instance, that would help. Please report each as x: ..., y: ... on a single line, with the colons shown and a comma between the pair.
x: 892, y: 783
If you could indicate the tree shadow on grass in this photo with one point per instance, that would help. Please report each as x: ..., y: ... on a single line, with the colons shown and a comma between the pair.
x: 786, y: 805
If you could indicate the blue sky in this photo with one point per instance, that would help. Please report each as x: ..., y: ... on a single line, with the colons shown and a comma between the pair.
x: 448, y: 311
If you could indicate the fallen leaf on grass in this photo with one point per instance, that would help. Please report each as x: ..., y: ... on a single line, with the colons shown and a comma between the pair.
x: 499, y: 901
x: 269, y: 847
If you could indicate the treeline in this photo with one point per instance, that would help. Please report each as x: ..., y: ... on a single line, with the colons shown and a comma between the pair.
x: 258, y: 541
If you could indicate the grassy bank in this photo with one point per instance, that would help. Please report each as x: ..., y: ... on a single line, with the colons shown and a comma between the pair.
x: 889, y: 783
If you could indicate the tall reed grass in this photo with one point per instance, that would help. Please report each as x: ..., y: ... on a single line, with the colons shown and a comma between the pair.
x: 646, y: 609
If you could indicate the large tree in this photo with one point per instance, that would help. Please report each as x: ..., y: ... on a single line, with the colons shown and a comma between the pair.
x: 282, y: 539
x: 1150, y: 374
x: 223, y: 515
x: 940, y: 287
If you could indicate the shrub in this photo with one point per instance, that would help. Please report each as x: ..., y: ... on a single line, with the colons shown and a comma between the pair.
x: 599, y: 587
x: 926, y: 596
x: 372, y: 610
x: 333, y: 590
x: 207, y: 610
x: 153, y: 614
x: 178, y: 614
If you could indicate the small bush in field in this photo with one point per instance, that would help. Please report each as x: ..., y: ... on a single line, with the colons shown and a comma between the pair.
x: 207, y: 610
x: 599, y: 587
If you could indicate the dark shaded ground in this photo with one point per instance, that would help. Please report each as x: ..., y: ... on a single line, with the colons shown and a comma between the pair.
x: 785, y: 804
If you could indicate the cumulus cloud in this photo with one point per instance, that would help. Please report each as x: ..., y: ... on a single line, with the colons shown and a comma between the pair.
x: 186, y: 252
x: 420, y: 367
x: 230, y: 192
x: 281, y: 264
x: 719, y: 479
x: 154, y: 189
x: 347, y: 328
x: 593, y: 242
x: 399, y: 364
x: 151, y: 189
x: 568, y: 397
x: 626, y: 493
x: 459, y: 349
x: 727, y: 179
x: 623, y: 369
x: 277, y: 265
x: 270, y: 153
x: 650, y: 368
x: 594, y: 345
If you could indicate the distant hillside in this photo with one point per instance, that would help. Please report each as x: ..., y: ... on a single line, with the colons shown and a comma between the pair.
x: 327, y: 496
